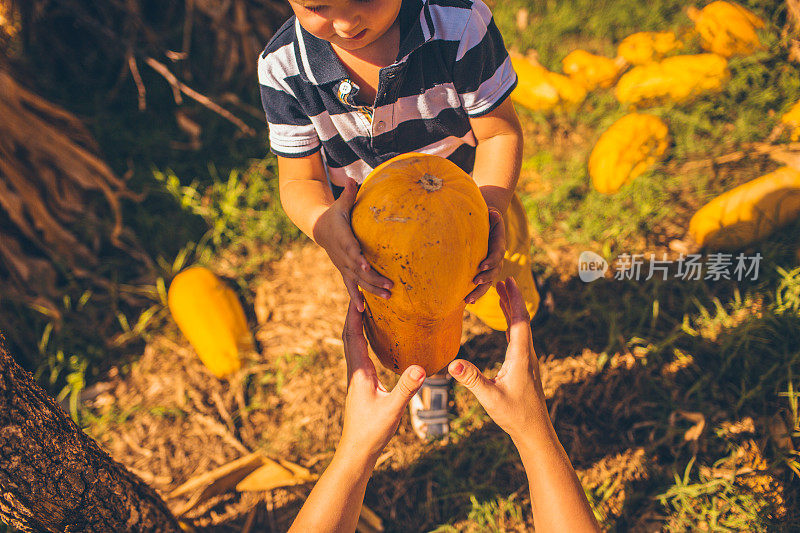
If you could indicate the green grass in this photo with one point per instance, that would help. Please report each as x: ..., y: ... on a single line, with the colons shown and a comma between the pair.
x: 724, y: 349
x: 735, y: 343
x: 712, y: 504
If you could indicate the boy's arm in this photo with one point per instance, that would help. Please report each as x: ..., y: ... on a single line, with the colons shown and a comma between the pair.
x: 304, y: 190
x: 308, y: 201
x: 498, y: 156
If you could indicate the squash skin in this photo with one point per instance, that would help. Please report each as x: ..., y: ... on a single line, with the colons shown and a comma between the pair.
x: 516, y: 263
x: 727, y: 29
x: 540, y: 89
x: 676, y: 79
x: 647, y: 46
x: 792, y: 119
x: 210, y: 316
x: 749, y: 212
x: 590, y: 70
x: 627, y: 149
x: 423, y: 223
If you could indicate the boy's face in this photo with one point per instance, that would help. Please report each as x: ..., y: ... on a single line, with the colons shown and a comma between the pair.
x: 349, y: 24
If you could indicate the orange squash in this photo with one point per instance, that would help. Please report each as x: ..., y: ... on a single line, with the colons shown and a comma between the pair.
x: 516, y: 263
x: 748, y: 213
x: 540, y: 89
x: 422, y: 222
x: 727, y: 29
x: 626, y: 150
x: 209, y: 314
x: 792, y: 119
x: 676, y: 79
x: 647, y: 46
x: 591, y: 71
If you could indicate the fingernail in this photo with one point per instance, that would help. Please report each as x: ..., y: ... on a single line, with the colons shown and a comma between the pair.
x: 458, y: 368
x: 470, y: 300
x: 387, y: 285
x: 417, y: 374
x: 364, y: 267
x: 386, y: 295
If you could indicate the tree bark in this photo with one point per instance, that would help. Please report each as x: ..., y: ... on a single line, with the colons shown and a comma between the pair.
x: 53, y: 477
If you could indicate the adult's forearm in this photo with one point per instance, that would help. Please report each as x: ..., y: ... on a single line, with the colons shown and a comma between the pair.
x: 335, y: 502
x: 496, y: 171
x: 557, y: 497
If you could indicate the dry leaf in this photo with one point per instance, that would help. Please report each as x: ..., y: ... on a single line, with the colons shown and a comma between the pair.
x: 787, y: 157
x: 253, y: 472
x: 780, y: 433
x: 368, y: 521
x: 273, y: 475
x: 217, y: 481
x: 699, y: 420
x: 523, y: 18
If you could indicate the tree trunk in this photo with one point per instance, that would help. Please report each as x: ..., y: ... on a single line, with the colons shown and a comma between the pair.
x: 53, y: 477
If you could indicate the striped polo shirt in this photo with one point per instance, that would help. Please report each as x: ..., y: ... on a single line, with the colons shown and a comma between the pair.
x: 452, y: 65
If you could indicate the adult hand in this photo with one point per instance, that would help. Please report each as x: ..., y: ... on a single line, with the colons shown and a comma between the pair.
x: 514, y: 397
x: 371, y: 413
x: 335, y: 235
x: 490, y: 267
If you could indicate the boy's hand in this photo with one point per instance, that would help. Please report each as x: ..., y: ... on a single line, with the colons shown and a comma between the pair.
x: 490, y: 267
x: 514, y: 398
x: 371, y: 414
x: 335, y: 235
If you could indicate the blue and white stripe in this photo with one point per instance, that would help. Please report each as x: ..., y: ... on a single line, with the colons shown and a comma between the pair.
x: 452, y: 66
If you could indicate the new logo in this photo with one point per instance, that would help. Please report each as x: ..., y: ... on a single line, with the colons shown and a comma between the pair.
x: 591, y: 266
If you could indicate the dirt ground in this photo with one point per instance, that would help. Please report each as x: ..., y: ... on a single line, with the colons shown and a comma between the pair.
x: 169, y: 419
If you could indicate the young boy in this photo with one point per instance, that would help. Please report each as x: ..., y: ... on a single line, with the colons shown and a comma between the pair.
x: 349, y: 84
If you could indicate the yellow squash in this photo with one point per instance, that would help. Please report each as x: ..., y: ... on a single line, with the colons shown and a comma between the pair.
x: 749, y: 212
x: 647, y: 46
x: 422, y: 222
x: 516, y: 263
x: 625, y: 150
x: 677, y: 79
x: 590, y: 70
x: 727, y: 29
x: 792, y: 119
x: 539, y: 89
x: 209, y: 314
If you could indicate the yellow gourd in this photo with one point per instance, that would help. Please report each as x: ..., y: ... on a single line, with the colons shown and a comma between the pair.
x: 647, y: 46
x: 516, y: 263
x: 590, y: 70
x: 727, y: 29
x: 792, y: 119
x: 209, y: 314
x: 421, y: 222
x: 539, y: 89
x: 749, y: 212
x: 625, y: 150
x: 677, y: 78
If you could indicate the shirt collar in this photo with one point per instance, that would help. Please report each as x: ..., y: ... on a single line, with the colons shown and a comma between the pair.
x: 319, y: 63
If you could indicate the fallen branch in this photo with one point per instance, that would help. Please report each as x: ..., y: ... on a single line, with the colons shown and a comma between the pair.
x: 775, y: 151
x: 179, y: 87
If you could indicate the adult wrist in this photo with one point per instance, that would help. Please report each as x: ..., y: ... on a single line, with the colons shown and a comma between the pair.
x: 357, y: 454
x: 534, y: 436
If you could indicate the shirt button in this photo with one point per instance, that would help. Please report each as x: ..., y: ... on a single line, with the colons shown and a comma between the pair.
x: 380, y: 126
x: 345, y: 87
